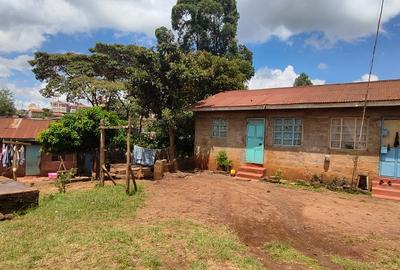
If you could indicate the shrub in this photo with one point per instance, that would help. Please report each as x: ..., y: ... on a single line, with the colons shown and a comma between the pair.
x: 222, y: 161
x: 63, y: 179
x: 278, y: 175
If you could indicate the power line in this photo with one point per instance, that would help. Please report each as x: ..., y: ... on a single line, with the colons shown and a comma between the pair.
x: 371, y: 65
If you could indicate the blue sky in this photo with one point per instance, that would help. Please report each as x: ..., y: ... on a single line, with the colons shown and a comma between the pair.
x: 332, y: 44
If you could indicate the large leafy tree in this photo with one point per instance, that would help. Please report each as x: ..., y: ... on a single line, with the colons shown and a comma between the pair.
x: 208, y: 25
x: 78, y: 76
x: 170, y: 80
x: 302, y: 80
x: 7, y: 107
x: 78, y: 132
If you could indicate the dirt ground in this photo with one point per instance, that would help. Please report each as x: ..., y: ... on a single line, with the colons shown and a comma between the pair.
x: 319, y: 224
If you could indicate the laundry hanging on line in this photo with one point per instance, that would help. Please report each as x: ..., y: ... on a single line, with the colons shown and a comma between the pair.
x: 143, y: 156
x: 7, y: 155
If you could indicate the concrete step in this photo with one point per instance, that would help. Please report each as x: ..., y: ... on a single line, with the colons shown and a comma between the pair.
x: 384, y: 185
x: 250, y: 175
x: 252, y: 169
x: 395, y: 198
x: 386, y: 191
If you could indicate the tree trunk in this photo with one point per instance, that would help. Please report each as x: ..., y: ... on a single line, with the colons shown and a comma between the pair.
x: 171, y: 134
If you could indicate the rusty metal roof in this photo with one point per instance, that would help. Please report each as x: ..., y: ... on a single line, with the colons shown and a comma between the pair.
x: 22, y: 128
x: 340, y: 95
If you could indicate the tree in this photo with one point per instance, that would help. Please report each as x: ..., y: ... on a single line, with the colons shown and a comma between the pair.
x: 77, y: 76
x: 7, y: 107
x: 302, y: 80
x: 211, y: 26
x: 208, y: 25
x: 167, y: 81
x: 78, y: 132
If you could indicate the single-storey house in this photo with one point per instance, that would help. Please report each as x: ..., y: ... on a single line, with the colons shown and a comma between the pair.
x: 303, y: 131
x: 36, y: 161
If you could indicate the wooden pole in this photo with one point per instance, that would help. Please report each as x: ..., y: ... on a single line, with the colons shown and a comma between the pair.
x: 128, y: 154
x: 102, y: 154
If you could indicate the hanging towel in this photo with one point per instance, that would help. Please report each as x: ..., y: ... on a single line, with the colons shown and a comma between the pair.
x: 143, y: 156
x: 22, y: 155
x: 6, y: 156
x: 15, y: 152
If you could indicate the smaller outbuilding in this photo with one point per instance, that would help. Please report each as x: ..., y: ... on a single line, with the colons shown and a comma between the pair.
x: 31, y: 160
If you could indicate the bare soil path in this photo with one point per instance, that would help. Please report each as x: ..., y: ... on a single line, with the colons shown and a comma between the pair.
x: 319, y: 224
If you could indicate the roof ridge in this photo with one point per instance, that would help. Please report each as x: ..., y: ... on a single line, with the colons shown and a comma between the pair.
x: 311, y: 86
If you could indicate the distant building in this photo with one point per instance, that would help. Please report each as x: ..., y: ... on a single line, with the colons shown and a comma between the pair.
x: 65, y: 107
x: 59, y: 106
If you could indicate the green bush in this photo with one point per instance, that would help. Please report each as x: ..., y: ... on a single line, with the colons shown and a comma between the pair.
x: 63, y: 179
x: 222, y: 161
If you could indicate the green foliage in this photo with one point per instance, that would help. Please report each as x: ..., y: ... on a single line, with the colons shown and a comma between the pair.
x: 63, y: 179
x: 78, y: 76
x: 7, y: 107
x: 208, y: 25
x: 283, y: 252
x: 222, y: 160
x: 302, y: 80
x: 79, y: 132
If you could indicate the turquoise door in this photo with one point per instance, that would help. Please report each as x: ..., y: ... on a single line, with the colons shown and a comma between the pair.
x: 390, y: 162
x: 255, y: 141
x: 32, y: 160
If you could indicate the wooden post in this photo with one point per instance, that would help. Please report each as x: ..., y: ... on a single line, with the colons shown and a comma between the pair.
x: 101, y: 150
x: 128, y: 154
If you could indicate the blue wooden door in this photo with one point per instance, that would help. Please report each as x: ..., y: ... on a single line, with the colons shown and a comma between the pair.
x: 32, y: 160
x: 255, y: 141
x: 390, y: 162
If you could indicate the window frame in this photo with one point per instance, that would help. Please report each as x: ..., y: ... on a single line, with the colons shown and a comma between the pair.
x: 356, y: 136
x: 274, y: 119
x: 219, y: 126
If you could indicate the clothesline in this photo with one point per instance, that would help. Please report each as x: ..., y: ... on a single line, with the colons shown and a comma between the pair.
x: 7, y: 153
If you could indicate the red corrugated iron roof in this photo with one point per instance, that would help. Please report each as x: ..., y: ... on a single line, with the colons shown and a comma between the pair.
x: 317, y: 94
x: 22, y: 128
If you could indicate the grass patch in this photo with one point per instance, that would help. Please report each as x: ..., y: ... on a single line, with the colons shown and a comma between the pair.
x: 67, y: 230
x: 349, y: 264
x: 96, y: 229
x: 282, y: 252
x: 183, y: 244
x: 388, y: 260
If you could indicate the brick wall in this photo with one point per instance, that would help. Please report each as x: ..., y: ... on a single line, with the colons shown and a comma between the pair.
x: 47, y: 165
x: 296, y: 162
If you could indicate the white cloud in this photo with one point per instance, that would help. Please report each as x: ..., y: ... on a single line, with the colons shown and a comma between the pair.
x: 270, y: 78
x: 327, y: 21
x: 19, y: 63
x: 364, y: 78
x: 24, y: 96
x: 322, y: 66
x: 25, y: 24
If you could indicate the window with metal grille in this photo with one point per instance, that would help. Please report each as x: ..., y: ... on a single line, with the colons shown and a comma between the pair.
x: 287, y: 131
x: 345, y: 133
x: 219, y: 128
